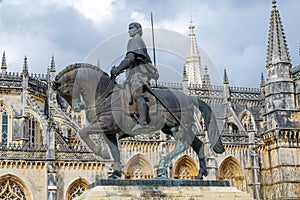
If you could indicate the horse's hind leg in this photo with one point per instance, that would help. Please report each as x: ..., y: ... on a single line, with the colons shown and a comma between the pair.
x: 113, y: 145
x: 182, y: 142
x: 198, y: 147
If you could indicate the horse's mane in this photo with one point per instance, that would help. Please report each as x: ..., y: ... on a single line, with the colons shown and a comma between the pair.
x: 77, y: 66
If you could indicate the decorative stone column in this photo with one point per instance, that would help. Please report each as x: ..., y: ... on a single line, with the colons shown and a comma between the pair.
x: 51, y: 168
x: 51, y: 181
x: 211, y: 163
x: 255, y: 169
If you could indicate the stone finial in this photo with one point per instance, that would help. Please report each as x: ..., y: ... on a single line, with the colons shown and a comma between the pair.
x: 225, y: 80
x: 262, y: 80
x: 3, y: 65
x: 52, y: 67
x: 277, y: 45
x: 25, y: 67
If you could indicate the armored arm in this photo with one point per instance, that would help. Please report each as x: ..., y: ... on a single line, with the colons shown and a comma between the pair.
x: 130, y: 57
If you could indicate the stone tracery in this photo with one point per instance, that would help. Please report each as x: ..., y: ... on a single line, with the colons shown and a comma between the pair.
x: 12, y: 188
x: 77, y: 188
x: 231, y: 170
x: 185, y: 168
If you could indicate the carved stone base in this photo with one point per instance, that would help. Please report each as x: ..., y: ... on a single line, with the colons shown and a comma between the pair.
x: 162, y: 189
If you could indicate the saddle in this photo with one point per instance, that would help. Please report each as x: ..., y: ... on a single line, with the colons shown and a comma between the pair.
x: 130, y: 104
x: 166, y: 95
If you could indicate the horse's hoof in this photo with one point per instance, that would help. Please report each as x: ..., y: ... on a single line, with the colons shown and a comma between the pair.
x: 204, y: 173
x: 116, y: 174
x: 161, y: 173
x: 199, y: 177
x: 201, y: 174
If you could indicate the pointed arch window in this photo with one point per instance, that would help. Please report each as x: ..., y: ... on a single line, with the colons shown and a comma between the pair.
x: 247, y: 121
x: 139, y: 167
x: 12, y: 188
x: 185, y: 168
x: 31, y: 131
x: 77, y: 188
x: 231, y: 170
x: 4, y: 124
x: 232, y: 128
x: 4, y: 131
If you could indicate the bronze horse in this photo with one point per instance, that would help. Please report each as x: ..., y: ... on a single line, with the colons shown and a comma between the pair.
x: 87, y: 87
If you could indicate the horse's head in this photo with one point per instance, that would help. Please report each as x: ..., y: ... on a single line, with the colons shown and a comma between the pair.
x: 79, y: 84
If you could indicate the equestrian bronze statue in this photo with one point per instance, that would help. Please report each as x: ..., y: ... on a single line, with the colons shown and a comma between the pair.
x: 86, y: 87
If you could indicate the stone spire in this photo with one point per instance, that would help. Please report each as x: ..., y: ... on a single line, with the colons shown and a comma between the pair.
x: 226, y: 90
x: 3, y: 65
x: 25, y: 67
x: 193, y: 63
x: 52, y: 67
x: 225, y: 79
x: 277, y: 46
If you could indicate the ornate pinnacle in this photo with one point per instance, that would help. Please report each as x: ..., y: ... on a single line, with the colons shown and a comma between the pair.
x: 52, y: 67
x: 262, y: 80
x: 277, y: 45
x: 25, y: 66
x: 4, y: 65
x: 225, y: 81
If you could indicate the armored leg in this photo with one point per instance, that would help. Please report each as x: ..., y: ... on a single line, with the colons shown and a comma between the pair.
x: 143, y: 111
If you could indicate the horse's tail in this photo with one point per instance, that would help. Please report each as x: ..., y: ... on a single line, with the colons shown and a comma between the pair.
x: 210, y: 124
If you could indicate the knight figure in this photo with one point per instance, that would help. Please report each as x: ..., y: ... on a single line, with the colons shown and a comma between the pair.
x: 139, y: 72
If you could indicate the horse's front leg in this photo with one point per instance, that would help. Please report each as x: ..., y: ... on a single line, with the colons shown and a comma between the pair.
x: 198, y: 147
x: 85, y: 133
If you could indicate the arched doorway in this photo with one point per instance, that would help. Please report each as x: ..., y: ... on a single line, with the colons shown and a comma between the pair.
x: 231, y: 170
x: 185, y: 168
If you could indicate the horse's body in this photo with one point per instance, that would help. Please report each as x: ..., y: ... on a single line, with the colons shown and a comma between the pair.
x: 108, y: 113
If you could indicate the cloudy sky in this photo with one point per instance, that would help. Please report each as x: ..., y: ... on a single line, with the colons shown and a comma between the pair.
x: 232, y: 33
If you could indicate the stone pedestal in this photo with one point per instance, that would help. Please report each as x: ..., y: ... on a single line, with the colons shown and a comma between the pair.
x: 166, y: 189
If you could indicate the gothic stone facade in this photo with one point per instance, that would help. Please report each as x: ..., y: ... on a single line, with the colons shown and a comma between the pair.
x: 43, y: 158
